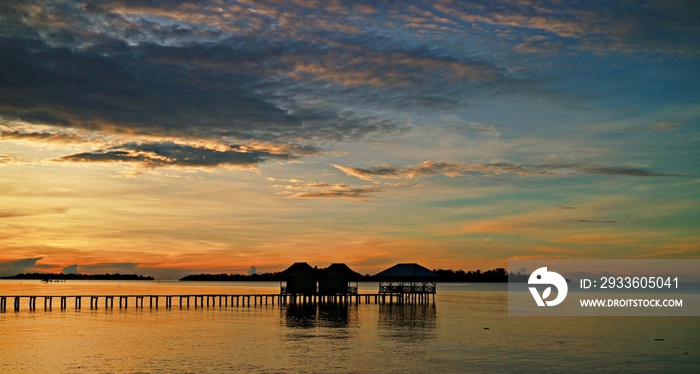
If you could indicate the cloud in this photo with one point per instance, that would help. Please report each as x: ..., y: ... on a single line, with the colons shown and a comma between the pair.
x: 109, y: 267
x: 428, y: 168
x: 154, y: 151
x: 297, y: 75
x: 540, y: 44
x: 296, y: 184
x: 232, y: 87
x: 29, y: 212
x: 666, y: 125
x: 456, y: 169
x: 71, y: 269
x: 489, y: 131
x: 596, y: 221
x: 617, y: 170
x: 357, y: 193
x: 392, y: 68
x: 154, y: 94
x: 369, y: 173
x: 39, y: 133
x: 90, y: 91
x: 667, y: 27
x: 272, y: 72
x: 9, y: 268
x: 297, y: 188
x: 173, y: 154
x: 10, y: 160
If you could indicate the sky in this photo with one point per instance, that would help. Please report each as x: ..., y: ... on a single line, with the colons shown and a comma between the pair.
x: 168, y: 138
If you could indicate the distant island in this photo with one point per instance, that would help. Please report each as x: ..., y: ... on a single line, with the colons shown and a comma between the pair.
x: 493, y: 275
x: 61, y: 276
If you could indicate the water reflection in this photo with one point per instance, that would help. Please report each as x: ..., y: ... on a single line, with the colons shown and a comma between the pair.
x: 407, y: 321
x: 319, y: 315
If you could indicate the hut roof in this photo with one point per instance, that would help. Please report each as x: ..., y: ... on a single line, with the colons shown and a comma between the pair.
x: 406, y: 271
x: 299, y: 268
x: 335, y: 270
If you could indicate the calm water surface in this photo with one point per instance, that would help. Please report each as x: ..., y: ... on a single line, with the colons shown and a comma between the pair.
x: 467, y: 330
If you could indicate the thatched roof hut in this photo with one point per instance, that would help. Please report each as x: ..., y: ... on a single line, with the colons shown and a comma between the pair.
x: 301, y: 279
x: 335, y: 280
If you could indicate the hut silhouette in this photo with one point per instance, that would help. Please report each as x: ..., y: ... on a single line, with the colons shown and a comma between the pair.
x: 404, y: 283
x: 299, y: 279
x: 408, y: 281
x: 337, y: 279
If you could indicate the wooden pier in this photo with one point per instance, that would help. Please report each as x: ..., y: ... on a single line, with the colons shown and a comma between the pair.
x: 204, y: 300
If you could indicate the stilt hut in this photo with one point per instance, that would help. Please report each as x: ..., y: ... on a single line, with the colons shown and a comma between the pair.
x: 338, y: 279
x: 299, y: 279
x: 408, y: 281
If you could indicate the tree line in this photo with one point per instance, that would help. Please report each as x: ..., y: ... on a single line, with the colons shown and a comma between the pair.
x: 493, y: 275
x: 61, y: 276
x: 449, y: 275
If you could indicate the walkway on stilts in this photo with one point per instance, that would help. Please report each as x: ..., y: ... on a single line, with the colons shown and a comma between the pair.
x: 207, y: 300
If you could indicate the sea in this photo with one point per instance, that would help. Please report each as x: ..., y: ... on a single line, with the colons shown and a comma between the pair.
x: 466, y: 330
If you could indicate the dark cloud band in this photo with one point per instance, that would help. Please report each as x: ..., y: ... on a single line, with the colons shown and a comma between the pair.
x: 172, y: 154
x: 456, y: 169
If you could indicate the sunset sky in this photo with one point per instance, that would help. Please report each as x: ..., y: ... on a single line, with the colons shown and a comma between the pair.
x: 168, y: 138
